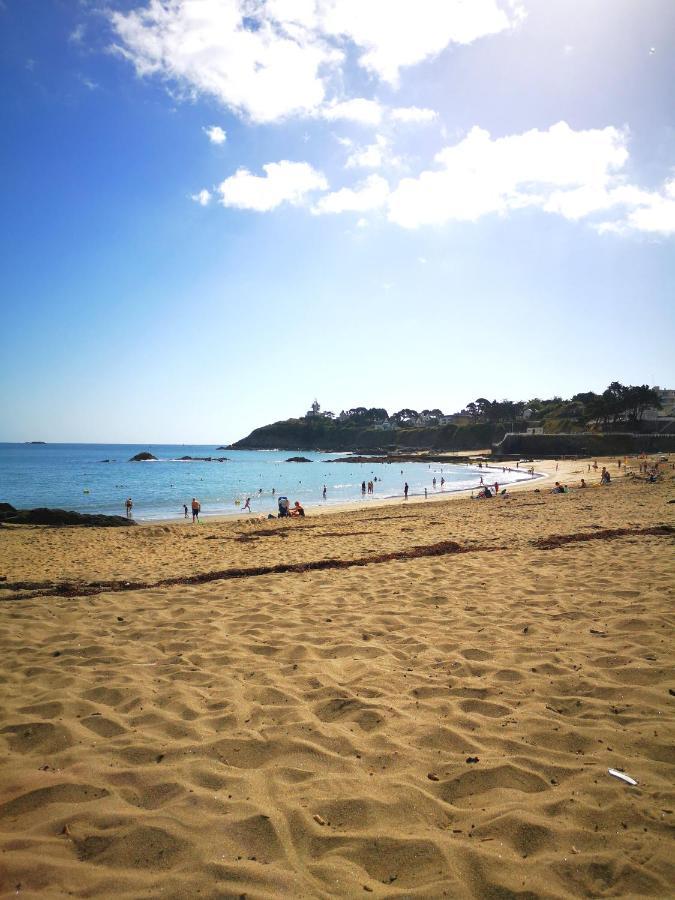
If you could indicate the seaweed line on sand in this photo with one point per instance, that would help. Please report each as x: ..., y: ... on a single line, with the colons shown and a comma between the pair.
x: 442, y: 548
x: 558, y: 540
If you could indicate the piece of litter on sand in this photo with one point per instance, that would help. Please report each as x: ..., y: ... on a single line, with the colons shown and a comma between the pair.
x: 622, y: 776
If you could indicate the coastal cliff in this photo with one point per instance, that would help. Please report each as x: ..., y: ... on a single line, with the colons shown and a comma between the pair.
x: 326, y: 434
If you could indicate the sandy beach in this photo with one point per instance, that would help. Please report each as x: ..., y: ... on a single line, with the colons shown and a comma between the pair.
x: 407, y: 700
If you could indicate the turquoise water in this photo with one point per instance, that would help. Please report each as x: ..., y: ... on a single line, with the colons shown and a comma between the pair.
x: 73, y: 476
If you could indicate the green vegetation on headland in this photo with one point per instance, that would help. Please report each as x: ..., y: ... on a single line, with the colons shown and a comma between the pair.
x: 480, y: 424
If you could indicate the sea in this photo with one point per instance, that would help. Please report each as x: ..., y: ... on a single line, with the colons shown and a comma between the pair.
x: 98, y: 478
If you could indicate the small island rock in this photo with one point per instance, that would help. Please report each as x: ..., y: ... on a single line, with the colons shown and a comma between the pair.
x: 142, y: 457
x: 298, y: 459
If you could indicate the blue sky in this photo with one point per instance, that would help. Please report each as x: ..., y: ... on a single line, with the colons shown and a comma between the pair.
x: 214, y: 211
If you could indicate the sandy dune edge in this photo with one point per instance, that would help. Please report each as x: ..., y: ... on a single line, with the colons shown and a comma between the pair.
x: 275, y: 735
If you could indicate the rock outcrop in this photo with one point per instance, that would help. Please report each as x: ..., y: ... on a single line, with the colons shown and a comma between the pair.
x: 59, y: 517
x: 142, y: 457
x: 298, y: 459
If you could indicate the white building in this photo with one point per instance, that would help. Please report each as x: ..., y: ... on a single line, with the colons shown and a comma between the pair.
x: 314, y: 411
x: 667, y: 411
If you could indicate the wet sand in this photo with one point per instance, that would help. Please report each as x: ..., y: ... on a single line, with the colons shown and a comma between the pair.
x: 413, y: 700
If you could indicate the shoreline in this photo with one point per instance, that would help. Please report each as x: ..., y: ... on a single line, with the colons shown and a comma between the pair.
x: 359, y: 504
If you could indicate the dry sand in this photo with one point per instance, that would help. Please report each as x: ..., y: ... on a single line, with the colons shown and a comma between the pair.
x: 429, y: 708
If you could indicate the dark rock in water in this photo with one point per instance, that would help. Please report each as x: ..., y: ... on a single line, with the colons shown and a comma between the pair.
x: 203, y: 459
x: 57, y: 517
x: 222, y: 448
x: 142, y: 457
x: 104, y: 460
x: 298, y: 459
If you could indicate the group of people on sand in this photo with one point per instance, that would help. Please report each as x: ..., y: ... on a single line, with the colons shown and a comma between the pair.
x: 288, y: 511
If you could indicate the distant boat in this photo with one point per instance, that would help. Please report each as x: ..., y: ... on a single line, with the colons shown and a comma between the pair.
x: 36, y: 442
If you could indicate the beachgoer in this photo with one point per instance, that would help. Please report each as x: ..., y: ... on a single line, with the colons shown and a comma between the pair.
x: 481, y: 480
x: 434, y: 482
x: 496, y: 487
x: 297, y: 509
x: 558, y: 489
x: 363, y: 487
x: 583, y: 483
x: 324, y: 492
x: 196, y: 508
x: 405, y: 490
x: 425, y: 493
x: 442, y: 482
x: 247, y: 505
x: 185, y: 510
x: 283, y: 507
x: 605, y: 476
x: 129, y: 506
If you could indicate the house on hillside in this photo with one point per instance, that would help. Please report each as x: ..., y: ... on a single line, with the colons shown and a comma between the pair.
x: 667, y: 411
x: 314, y: 412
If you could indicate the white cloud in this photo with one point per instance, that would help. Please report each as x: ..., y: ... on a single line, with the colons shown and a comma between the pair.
x: 203, y: 198
x: 397, y: 33
x: 414, y: 114
x: 479, y: 175
x: 371, y: 157
x: 283, y: 182
x: 365, y: 112
x: 229, y: 49
x: 215, y: 134
x: 269, y: 59
x: 654, y: 214
x: 370, y: 194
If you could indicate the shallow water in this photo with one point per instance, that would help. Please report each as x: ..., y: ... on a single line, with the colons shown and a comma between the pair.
x: 75, y: 476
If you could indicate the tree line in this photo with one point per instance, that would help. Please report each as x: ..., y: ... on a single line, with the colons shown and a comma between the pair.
x: 617, y: 403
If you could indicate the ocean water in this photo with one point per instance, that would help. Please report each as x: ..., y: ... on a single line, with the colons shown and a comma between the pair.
x: 75, y: 477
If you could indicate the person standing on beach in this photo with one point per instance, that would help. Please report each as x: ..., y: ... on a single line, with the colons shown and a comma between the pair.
x: 363, y: 487
x: 129, y: 506
x: 405, y: 490
x: 196, y: 509
x: 324, y: 492
x: 185, y: 510
x: 442, y: 482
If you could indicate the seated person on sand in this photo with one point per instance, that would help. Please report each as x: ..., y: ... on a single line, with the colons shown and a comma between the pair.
x: 283, y: 507
x: 484, y: 494
x: 297, y: 509
x: 582, y: 483
x: 605, y: 476
x: 558, y: 489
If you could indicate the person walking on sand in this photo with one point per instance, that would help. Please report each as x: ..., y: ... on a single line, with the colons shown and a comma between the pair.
x: 247, y: 505
x: 405, y: 490
x: 196, y: 509
x: 129, y: 506
x: 185, y: 510
x: 442, y: 482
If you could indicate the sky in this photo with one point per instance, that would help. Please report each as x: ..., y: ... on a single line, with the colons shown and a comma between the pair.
x: 214, y: 211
